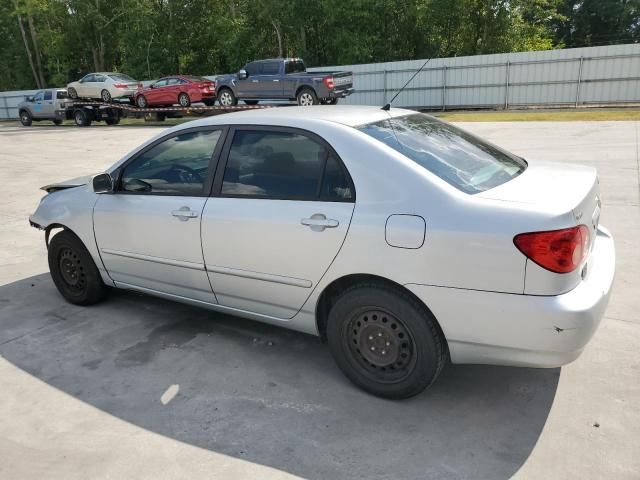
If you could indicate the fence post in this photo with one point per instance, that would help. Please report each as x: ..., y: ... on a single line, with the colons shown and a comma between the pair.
x: 506, y: 85
x: 384, y: 87
x: 444, y: 88
x: 579, y: 85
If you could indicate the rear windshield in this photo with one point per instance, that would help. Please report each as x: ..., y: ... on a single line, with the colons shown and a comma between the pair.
x: 121, y: 77
x: 459, y: 158
x: 294, y: 66
x: 193, y: 78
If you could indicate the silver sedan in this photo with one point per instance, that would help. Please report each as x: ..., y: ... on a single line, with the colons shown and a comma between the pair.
x: 401, y: 240
x: 104, y: 86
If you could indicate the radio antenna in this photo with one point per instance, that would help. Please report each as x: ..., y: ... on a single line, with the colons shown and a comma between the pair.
x: 388, y: 105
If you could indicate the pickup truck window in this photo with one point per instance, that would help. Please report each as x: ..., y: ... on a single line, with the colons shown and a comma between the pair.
x: 270, y: 68
x: 38, y: 96
x: 48, y: 95
x: 294, y: 66
x: 61, y: 95
x: 253, y: 68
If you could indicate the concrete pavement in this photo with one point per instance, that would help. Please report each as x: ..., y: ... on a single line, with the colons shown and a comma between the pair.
x: 138, y: 387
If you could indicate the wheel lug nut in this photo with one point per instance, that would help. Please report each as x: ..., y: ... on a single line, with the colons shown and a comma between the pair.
x: 370, y: 337
x: 379, y: 334
x: 388, y: 344
x: 373, y: 349
x: 384, y: 352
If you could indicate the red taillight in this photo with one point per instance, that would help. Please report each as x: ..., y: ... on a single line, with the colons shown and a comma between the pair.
x: 328, y: 81
x: 560, y: 251
x: 120, y: 85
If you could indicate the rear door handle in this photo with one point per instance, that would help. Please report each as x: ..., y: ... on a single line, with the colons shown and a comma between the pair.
x: 276, y: 80
x: 255, y: 81
x: 184, y: 214
x: 318, y: 222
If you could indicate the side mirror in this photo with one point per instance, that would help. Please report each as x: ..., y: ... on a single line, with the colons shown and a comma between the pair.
x: 242, y: 74
x: 103, y: 183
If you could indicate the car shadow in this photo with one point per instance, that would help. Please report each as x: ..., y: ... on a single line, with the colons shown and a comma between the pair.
x: 268, y: 395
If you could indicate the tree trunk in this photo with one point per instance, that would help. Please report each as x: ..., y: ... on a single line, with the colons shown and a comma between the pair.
x: 279, y: 35
x: 26, y: 47
x: 36, y: 50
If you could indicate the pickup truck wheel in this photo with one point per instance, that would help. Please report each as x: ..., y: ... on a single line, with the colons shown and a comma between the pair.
x: 251, y: 102
x: 307, y: 97
x: 73, y: 270
x: 184, y: 100
x: 81, y: 118
x: 385, y: 341
x: 72, y: 93
x: 106, y: 96
x: 25, y: 118
x: 226, y: 98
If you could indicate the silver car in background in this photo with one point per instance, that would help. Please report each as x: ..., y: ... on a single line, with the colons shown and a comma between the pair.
x: 400, y: 239
x: 105, y: 86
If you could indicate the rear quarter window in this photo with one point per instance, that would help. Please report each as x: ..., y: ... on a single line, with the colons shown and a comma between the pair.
x: 457, y: 157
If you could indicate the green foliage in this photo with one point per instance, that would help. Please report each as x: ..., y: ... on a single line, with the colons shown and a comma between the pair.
x: 64, y: 39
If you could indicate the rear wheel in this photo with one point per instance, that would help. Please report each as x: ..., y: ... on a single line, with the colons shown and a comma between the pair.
x: 106, y: 96
x: 72, y: 93
x: 184, y: 100
x: 385, y: 341
x: 25, y: 118
x: 81, y: 118
x: 73, y: 270
x: 226, y: 98
x: 112, y: 121
x: 306, y: 97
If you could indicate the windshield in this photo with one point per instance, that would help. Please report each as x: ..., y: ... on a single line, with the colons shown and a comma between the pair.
x: 121, y: 77
x: 457, y: 157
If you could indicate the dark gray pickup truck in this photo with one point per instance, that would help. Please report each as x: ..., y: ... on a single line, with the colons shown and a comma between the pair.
x: 283, y: 79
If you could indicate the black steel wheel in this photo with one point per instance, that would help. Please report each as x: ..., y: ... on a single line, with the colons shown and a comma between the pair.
x: 81, y: 118
x: 385, y: 341
x: 73, y: 270
x: 184, y: 100
x: 106, y: 96
x: 25, y: 118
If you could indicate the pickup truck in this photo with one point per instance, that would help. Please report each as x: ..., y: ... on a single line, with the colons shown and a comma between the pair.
x: 283, y: 79
x: 42, y: 106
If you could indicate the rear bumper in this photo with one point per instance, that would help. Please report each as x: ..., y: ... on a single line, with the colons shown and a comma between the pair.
x: 341, y: 93
x: 524, y: 330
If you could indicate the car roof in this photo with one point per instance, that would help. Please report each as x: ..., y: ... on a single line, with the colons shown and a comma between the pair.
x: 350, y: 115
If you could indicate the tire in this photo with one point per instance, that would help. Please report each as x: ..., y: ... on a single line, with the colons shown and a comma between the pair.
x: 141, y: 101
x: 306, y: 97
x: 25, y: 118
x: 184, y: 100
x: 112, y: 121
x: 367, y: 322
x: 73, y: 271
x: 57, y: 121
x: 81, y: 118
x: 72, y: 93
x: 251, y: 102
x: 226, y: 98
x: 105, y: 96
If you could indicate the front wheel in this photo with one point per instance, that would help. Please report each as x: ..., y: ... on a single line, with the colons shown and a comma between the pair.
x: 307, y: 97
x: 184, y: 100
x: 385, y: 341
x: 25, y: 118
x: 73, y: 270
x: 226, y: 98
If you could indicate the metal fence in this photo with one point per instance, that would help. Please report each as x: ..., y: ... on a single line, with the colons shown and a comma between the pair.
x: 571, y: 78
x: 576, y: 77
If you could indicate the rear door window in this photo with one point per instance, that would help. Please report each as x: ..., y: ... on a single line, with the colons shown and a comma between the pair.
x: 284, y: 166
x: 48, y: 95
x: 457, y: 157
x: 270, y: 68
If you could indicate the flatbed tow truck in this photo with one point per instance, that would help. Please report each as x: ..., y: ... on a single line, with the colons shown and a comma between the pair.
x: 84, y: 112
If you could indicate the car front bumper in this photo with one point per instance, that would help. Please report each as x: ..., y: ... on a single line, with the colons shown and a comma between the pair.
x: 524, y: 330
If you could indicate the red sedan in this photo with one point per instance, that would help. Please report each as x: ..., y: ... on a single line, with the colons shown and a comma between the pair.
x: 181, y: 89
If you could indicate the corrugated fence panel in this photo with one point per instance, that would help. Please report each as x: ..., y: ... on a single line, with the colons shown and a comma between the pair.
x: 570, y: 77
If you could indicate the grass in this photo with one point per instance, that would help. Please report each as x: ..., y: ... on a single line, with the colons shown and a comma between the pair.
x: 541, y: 116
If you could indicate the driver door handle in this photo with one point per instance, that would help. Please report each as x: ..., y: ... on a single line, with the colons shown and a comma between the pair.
x: 184, y: 213
x: 318, y: 222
